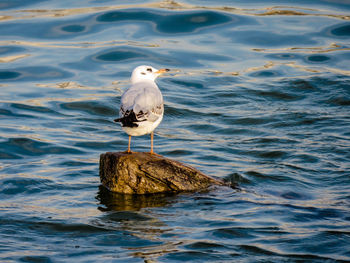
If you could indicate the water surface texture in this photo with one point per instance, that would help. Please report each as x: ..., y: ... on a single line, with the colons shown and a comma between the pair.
x: 258, y: 93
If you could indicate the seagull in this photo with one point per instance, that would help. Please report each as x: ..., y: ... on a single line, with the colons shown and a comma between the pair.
x: 142, y: 107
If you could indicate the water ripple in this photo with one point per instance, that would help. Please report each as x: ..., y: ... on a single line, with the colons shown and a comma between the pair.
x: 185, y: 22
x: 21, y: 147
x: 33, y: 73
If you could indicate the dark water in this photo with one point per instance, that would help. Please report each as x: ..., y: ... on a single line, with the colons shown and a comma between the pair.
x: 259, y: 92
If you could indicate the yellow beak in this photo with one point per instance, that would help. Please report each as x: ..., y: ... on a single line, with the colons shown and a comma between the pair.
x: 163, y: 70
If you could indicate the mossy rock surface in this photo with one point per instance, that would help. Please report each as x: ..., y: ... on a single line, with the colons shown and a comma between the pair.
x: 145, y: 173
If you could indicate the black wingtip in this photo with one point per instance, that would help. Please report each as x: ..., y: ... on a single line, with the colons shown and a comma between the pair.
x: 128, y: 120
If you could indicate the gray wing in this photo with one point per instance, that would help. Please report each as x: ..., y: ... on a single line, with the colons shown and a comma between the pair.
x: 145, y: 100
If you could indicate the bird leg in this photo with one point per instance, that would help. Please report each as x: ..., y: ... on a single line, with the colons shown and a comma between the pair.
x: 152, y: 152
x: 152, y: 143
x: 129, y: 151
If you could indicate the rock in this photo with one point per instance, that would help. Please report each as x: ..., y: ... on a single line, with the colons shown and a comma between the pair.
x: 145, y: 173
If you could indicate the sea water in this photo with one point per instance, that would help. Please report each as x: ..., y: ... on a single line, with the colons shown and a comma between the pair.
x: 258, y: 93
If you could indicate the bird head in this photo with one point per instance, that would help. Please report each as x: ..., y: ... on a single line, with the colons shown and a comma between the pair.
x: 142, y: 73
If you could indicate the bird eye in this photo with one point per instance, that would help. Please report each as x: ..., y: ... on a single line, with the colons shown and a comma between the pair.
x: 149, y: 69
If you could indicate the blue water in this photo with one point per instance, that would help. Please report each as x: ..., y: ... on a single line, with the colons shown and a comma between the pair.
x: 258, y: 93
